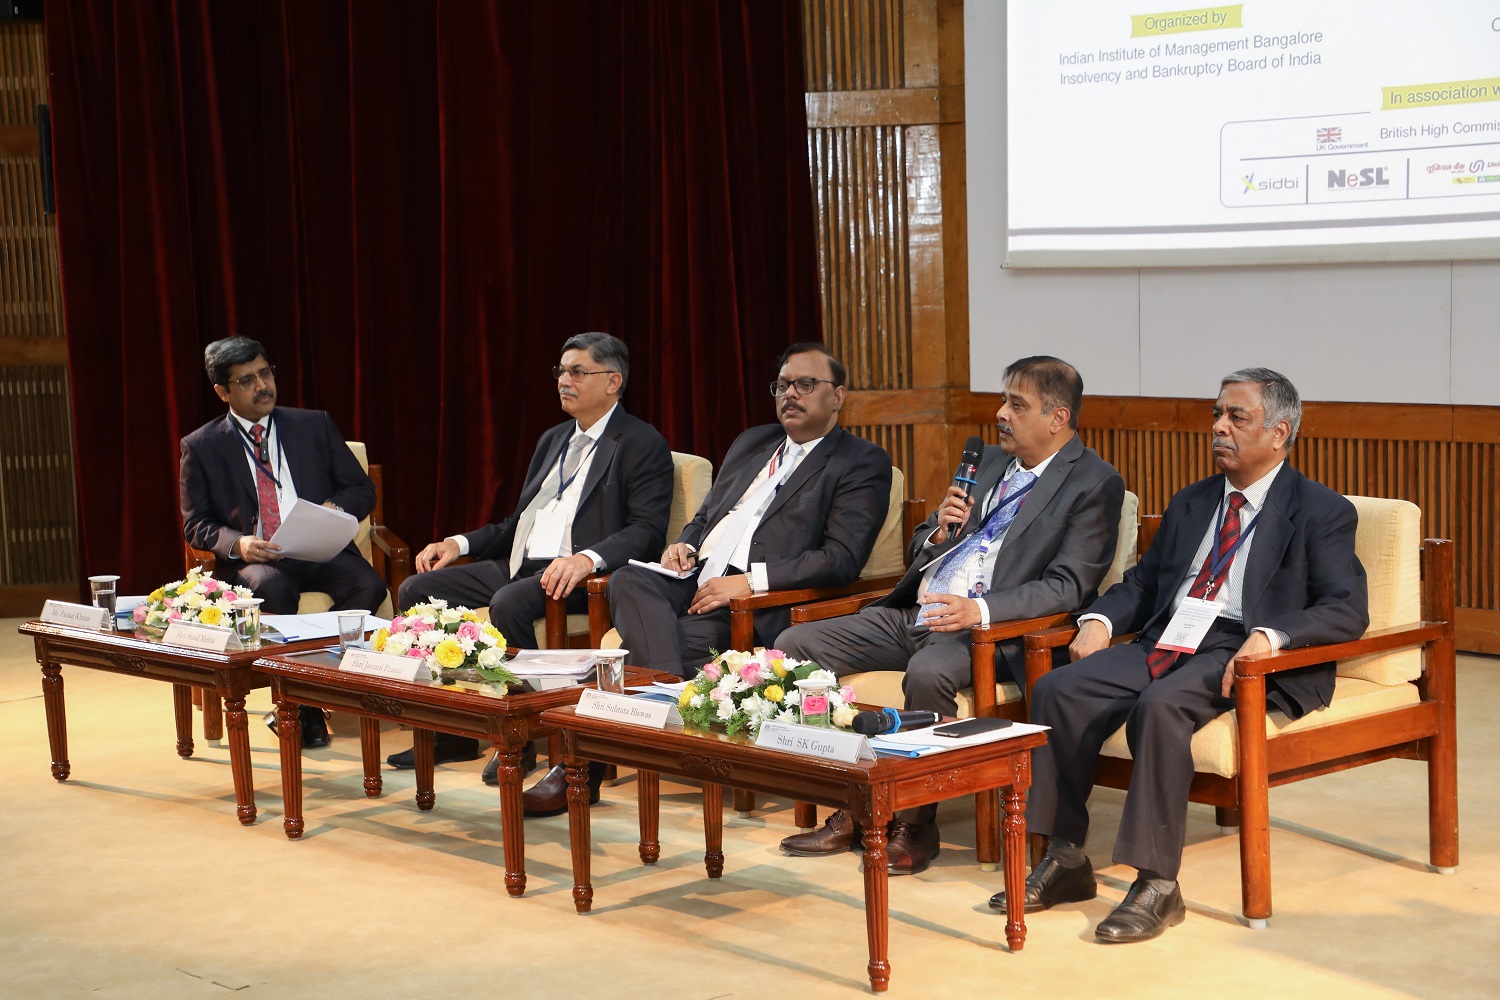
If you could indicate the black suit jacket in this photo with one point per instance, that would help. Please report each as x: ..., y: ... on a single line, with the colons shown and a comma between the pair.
x: 1057, y: 549
x: 218, y: 491
x: 626, y: 500
x: 822, y: 524
x: 1303, y: 577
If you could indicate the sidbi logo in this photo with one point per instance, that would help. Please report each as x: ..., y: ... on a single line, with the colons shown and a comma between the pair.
x: 1275, y: 184
x: 1368, y: 177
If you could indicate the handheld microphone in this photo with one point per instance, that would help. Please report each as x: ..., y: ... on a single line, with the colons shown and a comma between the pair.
x: 966, y: 476
x: 890, y: 720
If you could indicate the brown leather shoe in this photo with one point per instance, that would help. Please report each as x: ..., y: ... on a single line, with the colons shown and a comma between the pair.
x: 911, y: 847
x: 838, y: 833
x: 549, y: 797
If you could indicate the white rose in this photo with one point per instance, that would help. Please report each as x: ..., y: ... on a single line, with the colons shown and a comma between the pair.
x: 491, y: 658
x: 824, y: 676
x: 449, y: 616
x: 194, y: 599
x: 843, y: 716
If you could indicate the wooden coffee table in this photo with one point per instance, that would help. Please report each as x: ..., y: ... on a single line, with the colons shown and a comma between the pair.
x: 509, y: 721
x: 228, y: 674
x: 873, y: 791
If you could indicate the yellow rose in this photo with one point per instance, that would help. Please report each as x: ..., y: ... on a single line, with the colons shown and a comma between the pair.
x: 157, y: 595
x: 774, y: 693
x: 778, y: 667
x: 470, y: 616
x: 493, y: 633
x: 210, y: 615
x: 685, y: 697
x: 449, y: 653
x: 378, y: 642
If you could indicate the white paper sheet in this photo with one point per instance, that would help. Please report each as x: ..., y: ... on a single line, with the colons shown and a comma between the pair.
x: 324, y: 625
x: 313, y: 532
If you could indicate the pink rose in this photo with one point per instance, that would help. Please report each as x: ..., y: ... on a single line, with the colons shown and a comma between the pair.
x: 210, y: 586
x: 713, y: 672
x: 139, y: 614
x: 847, y: 693
x: 752, y: 673
x: 174, y: 616
x: 469, y: 630
x: 416, y: 626
x: 416, y: 653
x: 398, y: 624
x: 774, y: 654
x: 717, y: 694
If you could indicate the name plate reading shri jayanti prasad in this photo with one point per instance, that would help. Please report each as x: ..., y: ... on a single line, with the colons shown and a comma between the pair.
x: 77, y: 615
x: 814, y: 741
x: 207, y: 638
x: 401, y: 668
x: 627, y: 709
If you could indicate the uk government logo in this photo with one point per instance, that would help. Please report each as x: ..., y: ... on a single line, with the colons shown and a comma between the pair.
x: 1267, y: 184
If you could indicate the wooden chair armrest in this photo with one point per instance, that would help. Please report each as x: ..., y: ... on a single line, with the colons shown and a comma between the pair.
x: 203, y: 559
x: 1000, y: 631
x: 742, y: 609
x: 1378, y: 641
x: 982, y: 657
x: 396, y: 556
x: 555, y: 612
x: 835, y: 608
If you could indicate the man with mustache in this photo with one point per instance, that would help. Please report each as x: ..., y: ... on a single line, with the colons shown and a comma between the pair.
x: 1251, y: 560
x: 241, y: 473
x: 598, y: 494
x: 1035, y: 538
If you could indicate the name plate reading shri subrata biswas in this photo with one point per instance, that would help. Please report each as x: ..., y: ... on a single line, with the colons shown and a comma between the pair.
x: 627, y: 709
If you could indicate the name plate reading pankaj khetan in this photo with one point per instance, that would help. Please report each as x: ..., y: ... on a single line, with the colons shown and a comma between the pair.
x: 205, y: 638
x: 401, y: 668
x: 77, y: 615
x: 627, y: 709
x: 814, y: 741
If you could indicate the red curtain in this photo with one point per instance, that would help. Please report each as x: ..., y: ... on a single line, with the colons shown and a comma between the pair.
x: 412, y: 206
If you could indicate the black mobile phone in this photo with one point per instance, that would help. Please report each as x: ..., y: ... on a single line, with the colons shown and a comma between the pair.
x: 970, y: 727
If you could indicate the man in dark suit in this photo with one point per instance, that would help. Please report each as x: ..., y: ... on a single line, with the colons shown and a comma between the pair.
x: 1260, y: 558
x: 796, y: 504
x: 598, y: 494
x: 1043, y: 537
x: 240, y: 473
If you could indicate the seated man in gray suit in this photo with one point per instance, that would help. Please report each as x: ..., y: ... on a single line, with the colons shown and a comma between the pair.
x: 598, y: 494
x: 1043, y: 537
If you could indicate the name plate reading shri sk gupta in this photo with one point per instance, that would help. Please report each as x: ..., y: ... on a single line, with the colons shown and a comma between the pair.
x: 629, y: 710
x: 401, y: 668
x: 814, y: 741
x: 206, y: 638
x: 77, y: 615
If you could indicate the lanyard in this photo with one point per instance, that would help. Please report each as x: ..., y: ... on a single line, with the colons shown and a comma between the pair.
x: 1217, y: 565
x: 1006, y: 501
x: 248, y: 443
x: 562, y: 487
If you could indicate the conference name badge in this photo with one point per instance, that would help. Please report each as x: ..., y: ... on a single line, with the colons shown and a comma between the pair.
x: 373, y: 664
x: 77, y: 615
x: 204, y: 638
x: 814, y: 741
x: 1185, y: 632
x: 624, y: 708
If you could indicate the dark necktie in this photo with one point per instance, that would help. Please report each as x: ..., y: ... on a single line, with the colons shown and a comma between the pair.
x: 265, y: 486
x: 1162, y: 660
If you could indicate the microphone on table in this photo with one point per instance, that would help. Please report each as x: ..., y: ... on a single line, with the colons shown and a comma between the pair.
x: 966, y: 476
x: 891, y: 720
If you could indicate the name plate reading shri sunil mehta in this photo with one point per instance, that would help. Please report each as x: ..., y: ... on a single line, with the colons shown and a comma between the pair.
x: 814, y: 741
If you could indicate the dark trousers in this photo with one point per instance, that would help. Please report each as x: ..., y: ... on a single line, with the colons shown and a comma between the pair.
x: 347, y: 578
x: 649, y: 610
x: 1086, y: 701
x: 514, y: 605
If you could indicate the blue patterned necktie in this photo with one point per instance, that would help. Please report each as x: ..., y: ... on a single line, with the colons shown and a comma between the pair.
x: 952, y: 568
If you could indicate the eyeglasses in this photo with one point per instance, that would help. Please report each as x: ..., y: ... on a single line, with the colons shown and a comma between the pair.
x: 247, y: 382
x: 804, y: 385
x: 577, y: 372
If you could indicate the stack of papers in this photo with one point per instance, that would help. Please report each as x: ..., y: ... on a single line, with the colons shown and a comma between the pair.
x: 576, y: 663
x: 296, y: 628
x: 657, y: 691
x: 921, y: 742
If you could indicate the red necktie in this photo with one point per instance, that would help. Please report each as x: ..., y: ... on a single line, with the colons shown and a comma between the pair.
x: 265, y: 490
x: 1162, y: 660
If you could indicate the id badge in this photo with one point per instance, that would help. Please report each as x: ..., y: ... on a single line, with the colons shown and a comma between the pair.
x: 546, y: 538
x: 1185, y: 632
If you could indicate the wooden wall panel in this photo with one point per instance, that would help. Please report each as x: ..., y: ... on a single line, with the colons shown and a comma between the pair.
x: 853, y: 44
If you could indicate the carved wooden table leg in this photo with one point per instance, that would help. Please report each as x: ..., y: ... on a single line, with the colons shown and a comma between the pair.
x: 289, y: 728
x: 744, y: 803
x: 182, y: 711
x: 648, y: 798
x: 213, y: 717
x: 369, y: 752
x: 512, y: 821
x: 805, y: 815
x: 422, y: 752
x: 579, y: 834
x: 987, y: 820
x: 237, y: 725
x: 713, y: 828
x: 877, y: 888
x: 57, y: 719
x: 1014, y: 800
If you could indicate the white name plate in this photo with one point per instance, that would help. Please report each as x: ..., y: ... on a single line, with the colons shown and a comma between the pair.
x: 629, y: 710
x: 78, y: 615
x: 367, y: 661
x: 208, y: 638
x: 814, y: 741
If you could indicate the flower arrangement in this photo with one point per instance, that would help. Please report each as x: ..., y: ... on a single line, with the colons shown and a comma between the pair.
x: 447, y: 640
x: 741, y: 690
x: 197, y: 597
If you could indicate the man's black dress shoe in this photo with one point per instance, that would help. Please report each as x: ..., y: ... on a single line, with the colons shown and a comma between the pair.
x: 549, y: 797
x: 1145, y: 912
x: 911, y: 847
x: 446, y: 749
x: 314, y: 726
x: 1050, y: 883
x: 491, y: 775
x: 838, y: 833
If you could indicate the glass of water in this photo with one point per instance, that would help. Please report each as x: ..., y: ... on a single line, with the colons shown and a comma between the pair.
x: 611, y: 669
x: 246, y: 612
x: 351, y: 630
x: 104, y: 592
